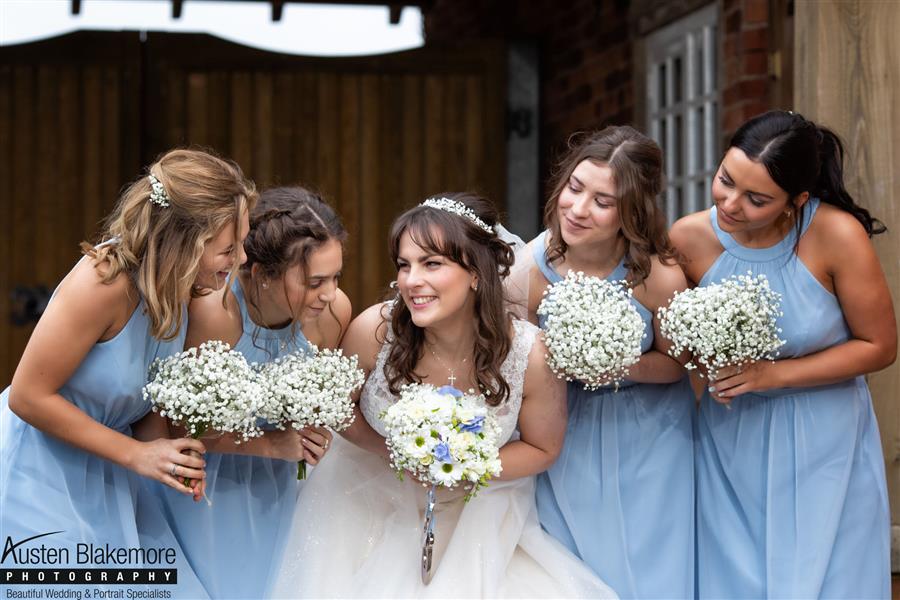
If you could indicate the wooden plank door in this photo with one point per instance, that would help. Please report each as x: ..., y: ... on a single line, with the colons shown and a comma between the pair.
x: 69, y: 139
x: 375, y: 135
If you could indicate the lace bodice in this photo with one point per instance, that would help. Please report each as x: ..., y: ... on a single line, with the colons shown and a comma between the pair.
x: 376, y: 396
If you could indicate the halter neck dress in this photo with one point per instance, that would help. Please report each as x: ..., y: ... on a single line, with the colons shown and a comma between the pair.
x: 47, y: 485
x: 621, y: 493
x: 235, y: 544
x: 791, y: 492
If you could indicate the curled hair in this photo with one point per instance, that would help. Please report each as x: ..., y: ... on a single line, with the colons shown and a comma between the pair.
x: 637, y: 169
x: 159, y: 248
x: 482, y: 254
x: 801, y: 156
x: 286, y: 226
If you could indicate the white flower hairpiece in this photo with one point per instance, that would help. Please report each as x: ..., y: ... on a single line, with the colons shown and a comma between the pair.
x: 457, y: 208
x: 158, y: 192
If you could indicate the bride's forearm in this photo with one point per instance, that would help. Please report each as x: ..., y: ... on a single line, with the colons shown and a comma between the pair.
x: 521, y: 459
x: 361, y: 434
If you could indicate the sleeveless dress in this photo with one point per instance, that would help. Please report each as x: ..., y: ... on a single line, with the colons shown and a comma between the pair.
x: 621, y: 493
x: 357, y: 529
x: 47, y: 485
x: 791, y: 492
x: 235, y: 544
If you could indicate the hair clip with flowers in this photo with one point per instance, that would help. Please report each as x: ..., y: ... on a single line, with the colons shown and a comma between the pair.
x: 158, y: 193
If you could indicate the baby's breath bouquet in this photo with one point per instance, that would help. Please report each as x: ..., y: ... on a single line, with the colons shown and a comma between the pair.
x: 311, y: 389
x: 210, y: 389
x: 443, y: 437
x: 728, y: 323
x: 213, y: 388
x: 592, y: 331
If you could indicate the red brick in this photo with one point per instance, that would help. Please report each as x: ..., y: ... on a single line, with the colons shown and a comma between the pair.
x: 733, y: 22
x: 730, y: 45
x: 756, y: 11
x: 755, y: 63
x: 732, y: 119
x: 731, y: 94
x: 755, y: 39
x: 754, y: 88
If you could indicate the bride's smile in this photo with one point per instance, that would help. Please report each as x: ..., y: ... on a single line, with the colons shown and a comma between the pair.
x: 436, y: 290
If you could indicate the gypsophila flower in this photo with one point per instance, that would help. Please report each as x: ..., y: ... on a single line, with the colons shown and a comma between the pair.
x: 213, y: 388
x: 728, y: 323
x: 592, y: 331
x: 443, y: 437
x: 311, y: 389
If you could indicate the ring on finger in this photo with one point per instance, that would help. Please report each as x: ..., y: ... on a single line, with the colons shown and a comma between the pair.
x: 325, y: 447
x: 174, y: 468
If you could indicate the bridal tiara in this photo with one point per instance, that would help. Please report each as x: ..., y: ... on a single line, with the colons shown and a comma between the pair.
x: 457, y: 208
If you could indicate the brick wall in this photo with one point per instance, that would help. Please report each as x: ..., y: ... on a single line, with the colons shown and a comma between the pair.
x: 588, y: 55
x: 585, y: 56
x: 745, y: 45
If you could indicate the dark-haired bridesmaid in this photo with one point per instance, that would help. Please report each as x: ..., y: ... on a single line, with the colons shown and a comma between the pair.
x: 791, y: 492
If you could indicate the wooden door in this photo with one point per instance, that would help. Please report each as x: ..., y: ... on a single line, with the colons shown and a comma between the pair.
x: 81, y: 115
x: 375, y: 135
x: 69, y: 139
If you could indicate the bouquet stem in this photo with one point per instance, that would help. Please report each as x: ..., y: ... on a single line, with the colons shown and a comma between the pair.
x: 187, y: 480
x: 301, y: 470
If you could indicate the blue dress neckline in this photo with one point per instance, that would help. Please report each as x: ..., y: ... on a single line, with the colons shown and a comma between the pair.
x: 781, y: 248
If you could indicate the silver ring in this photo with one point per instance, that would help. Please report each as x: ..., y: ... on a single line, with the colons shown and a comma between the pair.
x: 174, y: 467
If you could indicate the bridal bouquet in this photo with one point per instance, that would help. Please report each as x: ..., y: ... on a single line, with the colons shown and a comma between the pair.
x: 213, y: 388
x: 592, y: 331
x: 311, y: 390
x: 443, y: 437
x: 726, y: 323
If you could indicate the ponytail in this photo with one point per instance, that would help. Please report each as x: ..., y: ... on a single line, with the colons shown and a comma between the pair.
x: 802, y: 157
x: 829, y: 186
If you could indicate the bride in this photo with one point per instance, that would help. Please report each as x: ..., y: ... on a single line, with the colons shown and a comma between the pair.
x: 357, y: 529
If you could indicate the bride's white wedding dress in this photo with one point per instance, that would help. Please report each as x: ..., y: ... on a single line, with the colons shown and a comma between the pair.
x: 357, y: 529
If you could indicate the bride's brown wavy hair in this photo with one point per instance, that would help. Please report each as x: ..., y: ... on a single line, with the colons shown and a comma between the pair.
x: 159, y: 247
x: 637, y: 166
x: 482, y: 254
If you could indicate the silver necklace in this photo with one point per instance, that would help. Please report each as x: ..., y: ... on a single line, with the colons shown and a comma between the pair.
x: 452, y: 377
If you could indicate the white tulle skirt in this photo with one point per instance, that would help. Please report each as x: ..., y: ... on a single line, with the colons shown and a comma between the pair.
x: 356, y: 532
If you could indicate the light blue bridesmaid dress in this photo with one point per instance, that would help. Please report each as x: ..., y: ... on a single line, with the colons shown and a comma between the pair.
x: 621, y: 493
x: 235, y: 544
x: 791, y: 492
x: 46, y: 485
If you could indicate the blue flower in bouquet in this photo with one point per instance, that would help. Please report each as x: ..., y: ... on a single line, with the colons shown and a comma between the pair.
x: 473, y: 426
x: 442, y: 452
x: 449, y: 389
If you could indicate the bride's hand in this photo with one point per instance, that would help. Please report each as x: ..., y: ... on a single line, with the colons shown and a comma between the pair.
x: 316, y: 441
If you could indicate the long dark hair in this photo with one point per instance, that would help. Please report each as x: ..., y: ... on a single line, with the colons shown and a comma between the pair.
x: 479, y: 252
x: 801, y: 156
x: 636, y: 163
x: 286, y: 225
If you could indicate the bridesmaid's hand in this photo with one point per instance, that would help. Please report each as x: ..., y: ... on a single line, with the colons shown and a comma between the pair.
x: 733, y: 381
x: 168, y: 461
x: 316, y: 441
x: 285, y: 445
